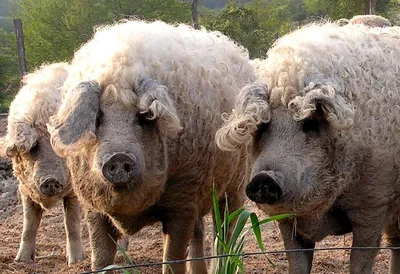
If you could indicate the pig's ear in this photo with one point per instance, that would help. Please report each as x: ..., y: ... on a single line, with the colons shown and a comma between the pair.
x: 251, y: 110
x: 155, y: 104
x: 321, y: 102
x: 21, y: 137
x: 74, y: 125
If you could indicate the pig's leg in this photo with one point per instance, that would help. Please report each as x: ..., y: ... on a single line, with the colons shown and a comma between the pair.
x: 32, y: 216
x: 103, y: 247
x: 367, y: 231
x: 299, y: 262
x: 72, y: 222
x: 196, y: 249
x: 393, y: 237
x: 177, y: 234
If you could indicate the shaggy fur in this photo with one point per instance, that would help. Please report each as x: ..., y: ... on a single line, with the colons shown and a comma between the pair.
x: 340, y: 83
x: 162, y: 90
x: 27, y: 143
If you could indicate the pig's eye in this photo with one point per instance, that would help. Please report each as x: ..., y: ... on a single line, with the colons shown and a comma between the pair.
x: 144, y: 121
x: 260, y: 130
x: 99, y: 118
x: 310, y: 125
x: 34, y: 148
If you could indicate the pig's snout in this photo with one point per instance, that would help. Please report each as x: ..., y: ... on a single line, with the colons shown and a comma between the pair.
x: 51, y: 187
x: 264, y: 188
x: 120, y: 169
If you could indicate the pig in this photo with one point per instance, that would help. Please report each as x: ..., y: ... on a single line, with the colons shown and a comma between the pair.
x: 320, y: 129
x: 44, y: 178
x: 137, y: 128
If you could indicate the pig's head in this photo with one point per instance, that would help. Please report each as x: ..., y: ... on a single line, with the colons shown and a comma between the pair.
x: 42, y: 174
x: 116, y: 141
x: 291, y: 142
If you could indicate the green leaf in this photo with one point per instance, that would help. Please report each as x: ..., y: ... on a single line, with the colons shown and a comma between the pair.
x: 276, y: 218
x: 256, y: 230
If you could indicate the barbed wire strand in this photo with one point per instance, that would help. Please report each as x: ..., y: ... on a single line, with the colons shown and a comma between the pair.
x: 245, y: 254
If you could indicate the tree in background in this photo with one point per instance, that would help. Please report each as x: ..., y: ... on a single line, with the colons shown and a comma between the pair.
x: 9, y: 75
x: 336, y: 9
x: 55, y: 29
x: 255, y: 26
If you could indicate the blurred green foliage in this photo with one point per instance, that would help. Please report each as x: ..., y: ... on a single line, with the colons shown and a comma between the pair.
x: 54, y: 29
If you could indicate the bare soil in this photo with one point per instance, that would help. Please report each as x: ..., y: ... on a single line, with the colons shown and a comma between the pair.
x: 145, y: 246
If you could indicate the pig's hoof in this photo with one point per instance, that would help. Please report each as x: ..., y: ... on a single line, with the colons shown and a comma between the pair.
x: 75, y: 257
x: 25, y: 257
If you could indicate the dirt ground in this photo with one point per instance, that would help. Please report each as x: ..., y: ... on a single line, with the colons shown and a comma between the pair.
x: 146, y: 246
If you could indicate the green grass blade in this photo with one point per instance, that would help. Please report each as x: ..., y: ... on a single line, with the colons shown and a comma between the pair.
x: 226, y: 219
x: 170, y: 269
x: 241, y: 222
x: 217, y: 214
x: 235, y: 214
x: 239, y: 250
x: 276, y: 218
x: 271, y: 262
x: 125, y: 255
x: 223, y: 244
x: 228, y: 251
x: 256, y: 230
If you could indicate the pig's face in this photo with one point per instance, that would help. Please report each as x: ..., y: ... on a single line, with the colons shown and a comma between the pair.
x: 42, y: 173
x: 288, y: 157
x: 120, y: 143
x: 292, y: 144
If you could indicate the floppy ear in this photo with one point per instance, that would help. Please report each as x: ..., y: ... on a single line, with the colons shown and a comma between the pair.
x: 321, y: 100
x: 21, y: 137
x: 251, y: 110
x: 74, y: 124
x: 155, y: 104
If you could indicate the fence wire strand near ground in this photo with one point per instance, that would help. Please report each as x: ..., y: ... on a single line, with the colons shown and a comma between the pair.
x: 246, y: 254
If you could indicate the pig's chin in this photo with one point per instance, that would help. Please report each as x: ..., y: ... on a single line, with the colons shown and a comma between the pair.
x: 129, y: 199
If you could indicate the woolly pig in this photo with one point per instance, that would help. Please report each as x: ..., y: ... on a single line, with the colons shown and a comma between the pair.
x: 43, y: 177
x: 321, y: 127
x: 137, y: 127
x: 370, y: 20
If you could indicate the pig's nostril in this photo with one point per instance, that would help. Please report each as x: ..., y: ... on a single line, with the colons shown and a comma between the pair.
x: 127, y: 167
x: 274, y: 189
x: 112, y: 167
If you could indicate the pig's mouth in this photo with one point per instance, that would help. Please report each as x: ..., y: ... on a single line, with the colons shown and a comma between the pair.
x: 124, y: 187
x: 120, y: 187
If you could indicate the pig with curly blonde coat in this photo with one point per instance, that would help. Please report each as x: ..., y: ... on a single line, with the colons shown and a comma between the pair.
x: 137, y: 126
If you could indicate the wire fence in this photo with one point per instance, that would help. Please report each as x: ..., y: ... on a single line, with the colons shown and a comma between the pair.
x: 246, y: 254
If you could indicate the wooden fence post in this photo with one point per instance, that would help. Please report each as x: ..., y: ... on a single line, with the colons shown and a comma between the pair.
x: 372, y: 6
x: 20, y: 46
